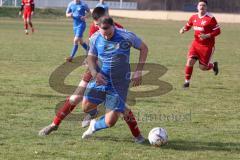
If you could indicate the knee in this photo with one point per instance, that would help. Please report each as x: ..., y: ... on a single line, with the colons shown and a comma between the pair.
x: 88, y: 106
x: 111, y: 119
x: 75, y: 99
x: 110, y: 122
x: 75, y: 41
x: 80, y: 41
x: 190, y: 62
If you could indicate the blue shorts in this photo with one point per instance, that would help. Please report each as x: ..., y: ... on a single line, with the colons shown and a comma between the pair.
x: 114, y: 98
x: 78, y: 31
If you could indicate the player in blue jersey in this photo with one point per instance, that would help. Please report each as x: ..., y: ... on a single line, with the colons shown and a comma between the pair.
x: 77, y: 10
x: 108, y: 61
x: 104, y: 5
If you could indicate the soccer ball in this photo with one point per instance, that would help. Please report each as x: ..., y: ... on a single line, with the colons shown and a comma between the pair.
x: 158, y: 136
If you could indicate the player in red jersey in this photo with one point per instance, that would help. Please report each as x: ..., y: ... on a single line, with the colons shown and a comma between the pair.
x: 27, y: 7
x: 72, y: 101
x: 206, y: 29
x: 94, y: 25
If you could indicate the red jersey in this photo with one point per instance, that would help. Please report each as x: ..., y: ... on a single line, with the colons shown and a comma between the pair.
x: 28, y: 5
x: 206, y: 24
x: 94, y: 28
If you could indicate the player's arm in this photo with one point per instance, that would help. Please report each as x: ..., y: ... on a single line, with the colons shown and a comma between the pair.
x: 88, y: 13
x: 187, y: 26
x: 137, y: 76
x: 215, y: 28
x: 92, y: 64
x: 21, y: 8
x: 142, y: 47
x: 32, y: 7
x: 69, y: 12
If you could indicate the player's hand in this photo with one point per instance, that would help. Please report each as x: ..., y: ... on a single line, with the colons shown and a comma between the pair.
x: 19, y: 13
x: 32, y: 13
x: 69, y: 15
x: 100, y: 79
x: 137, y: 78
x: 83, y: 18
x: 182, y: 30
x: 204, y: 36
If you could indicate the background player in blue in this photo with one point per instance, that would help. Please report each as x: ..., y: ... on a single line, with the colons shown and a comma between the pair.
x: 77, y: 10
x: 111, y: 48
x: 104, y: 5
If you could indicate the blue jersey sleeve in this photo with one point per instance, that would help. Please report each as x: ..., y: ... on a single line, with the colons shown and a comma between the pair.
x: 69, y: 10
x: 86, y: 7
x: 92, y: 46
x: 135, y: 40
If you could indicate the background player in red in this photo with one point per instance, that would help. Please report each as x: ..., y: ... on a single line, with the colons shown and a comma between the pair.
x: 27, y: 7
x: 206, y: 29
x: 72, y: 101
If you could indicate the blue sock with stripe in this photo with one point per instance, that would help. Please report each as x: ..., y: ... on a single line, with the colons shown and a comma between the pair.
x: 100, y: 124
x: 74, y: 50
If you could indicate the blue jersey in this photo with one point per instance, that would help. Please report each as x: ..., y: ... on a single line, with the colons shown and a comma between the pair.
x: 78, y: 10
x: 113, y: 55
x: 103, y: 5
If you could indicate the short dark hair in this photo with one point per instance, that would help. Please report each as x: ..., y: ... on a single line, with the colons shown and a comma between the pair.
x: 106, y: 20
x: 205, y: 1
x: 98, y: 12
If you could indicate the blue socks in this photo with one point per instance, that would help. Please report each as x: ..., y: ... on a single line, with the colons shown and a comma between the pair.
x: 100, y: 124
x: 93, y: 112
x: 85, y: 46
x: 74, y: 50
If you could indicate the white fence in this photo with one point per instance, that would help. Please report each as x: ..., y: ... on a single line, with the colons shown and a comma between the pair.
x: 14, y: 3
x: 63, y: 3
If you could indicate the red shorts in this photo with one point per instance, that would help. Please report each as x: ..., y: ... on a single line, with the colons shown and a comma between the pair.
x: 27, y: 15
x: 202, y: 52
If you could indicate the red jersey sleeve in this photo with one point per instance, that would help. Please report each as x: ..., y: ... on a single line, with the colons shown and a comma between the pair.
x: 118, y: 25
x: 215, y: 28
x: 92, y: 29
x: 189, y: 24
x: 22, y: 5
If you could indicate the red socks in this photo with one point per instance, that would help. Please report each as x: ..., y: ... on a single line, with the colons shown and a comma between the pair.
x: 188, y: 72
x: 31, y: 25
x: 132, y: 124
x: 26, y: 26
x: 210, y: 66
x: 63, y: 112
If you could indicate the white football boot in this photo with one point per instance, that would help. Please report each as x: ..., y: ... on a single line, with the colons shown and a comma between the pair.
x: 86, y: 121
x: 88, y: 133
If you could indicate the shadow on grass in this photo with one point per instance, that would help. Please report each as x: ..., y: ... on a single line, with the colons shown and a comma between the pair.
x: 202, y: 146
x: 112, y: 138
x: 20, y: 94
x: 182, y: 145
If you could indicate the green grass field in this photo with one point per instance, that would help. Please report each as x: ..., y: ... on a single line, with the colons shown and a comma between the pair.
x: 27, y: 103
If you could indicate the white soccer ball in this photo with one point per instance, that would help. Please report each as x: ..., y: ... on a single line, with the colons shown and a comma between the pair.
x: 158, y: 136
